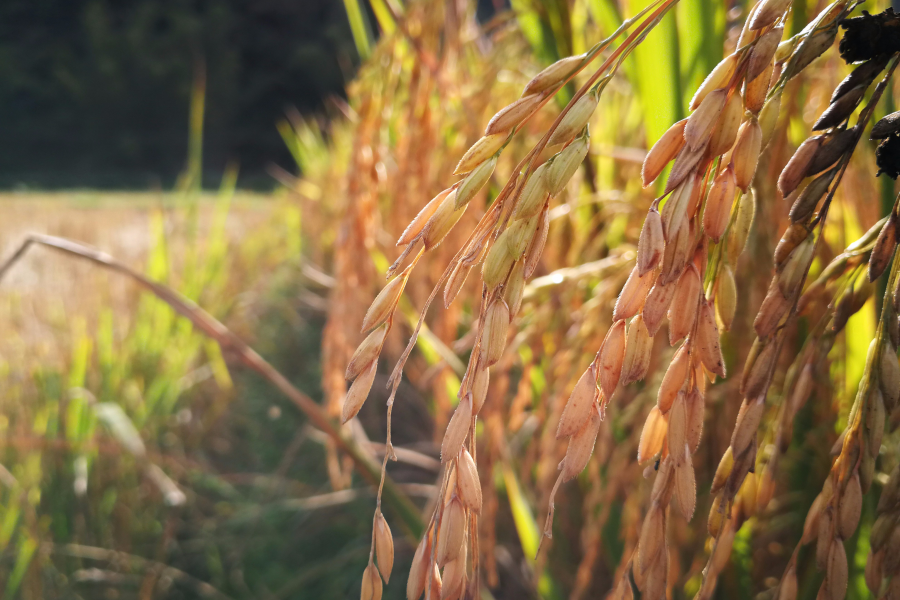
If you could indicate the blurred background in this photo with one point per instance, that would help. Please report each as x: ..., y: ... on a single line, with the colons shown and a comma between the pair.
x: 261, y: 158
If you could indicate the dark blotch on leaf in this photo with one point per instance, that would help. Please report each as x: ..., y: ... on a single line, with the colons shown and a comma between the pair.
x: 887, y: 157
x: 869, y: 36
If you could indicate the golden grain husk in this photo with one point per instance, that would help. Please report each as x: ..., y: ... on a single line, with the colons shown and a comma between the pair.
x: 576, y: 118
x: 534, y: 194
x: 384, y: 546
x: 835, y: 145
x: 467, y: 481
x: 768, y: 118
x: 850, y: 508
x: 520, y: 235
x: 717, y: 212
x: 457, y: 430
x: 455, y: 282
x: 677, y: 254
x: 454, y: 577
x: 474, y: 181
x: 611, y: 358
x: 743, y: 222
x: 385, y: 302
x: 493, y: 337
x: 563, y: 165
x: 418, y: 571
x: 726, y: 298
x: 658, y: 302
x: 638, y: 347
x: 685, y: 485
x: 701, y: 123
x: 795, y: 267
x: 480, y: 151
x: 757, y: 374
x: 581, y: 446
x: 884, y: 248
x: 371, y: 588
x: 634, y: 293
x: 756, y: 90
x: 798, y: 165
x: 358, y: 392
x: 663, y: 151
x: 651, y: 243
x: 513, y: 114
x: 810, y: 50
x: 768, y: 12
x: 536, y: 248
x: 418, y: 223
x: 452, y: 532
x: 442, y: 221
x: 726, y: 129
x: 746, y: 425
x: 553, y: 75
x: 718, y: 78
x: 674, y: 379
x: 675, y: 210
x: 763, y: 52
x: 676, y: 432
x: 723, y: 471
x: 498, y: 262
x: 367, y: 351
x: 746, y: 495
x: 746, y: 153
x: 683, y: 309
x: 480, y: 383
x: 873, y: 572
x: 653, y: 435
x: 716, y: 516
x: 683, y: 166
x: 836, y: 573
x: 652, y: 538
x: 707, y: 343
x: 515, y: 289
x: 578, y: 408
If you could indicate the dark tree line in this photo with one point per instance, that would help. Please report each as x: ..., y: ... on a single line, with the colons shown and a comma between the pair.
x: 95, y: 93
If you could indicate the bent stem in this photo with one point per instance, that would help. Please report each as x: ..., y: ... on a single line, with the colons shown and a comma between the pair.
x: 247, y: 356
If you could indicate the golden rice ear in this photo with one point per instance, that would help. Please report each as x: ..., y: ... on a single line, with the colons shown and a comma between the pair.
x: 566, y: 163
x: 580, y: 448
x: 718, y: 204
x: 658, y: 302
x: 534, y: 194
x: 638, y: 347
x: 726, y: 298
x: 452, y: 533
x: 850, y: 508
x: 576, y: 118
x: 634, y: 293
x: 371, y: 584
x: 480, y: 151
x: 554, y: 74
x: 653, y: 435
x: 763, y: 52
x: 468, y: 484
x: 674, y: 379
x: 767, y: 13
x: 683, y: 310
x: 512, y: 115
x: 418, y: 571
x: 367, y: 352
x: 493, y: 336
x: 474, y: 181
x: 717, y: 78
x: 416, y: 226
x: 768, y: 118
x: 579, y: 406
x: 612, y: 357
x: 701, y: 123
x: 384, y: 546
x: 746, y: 153
x: 457, y: 430
x: 725, y: 132
x: 707, y: 343
x: 651, y: 244
x: 676, y: 438
x: 663, y: 151
x: 385, y: 302
x: 358, y: 392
